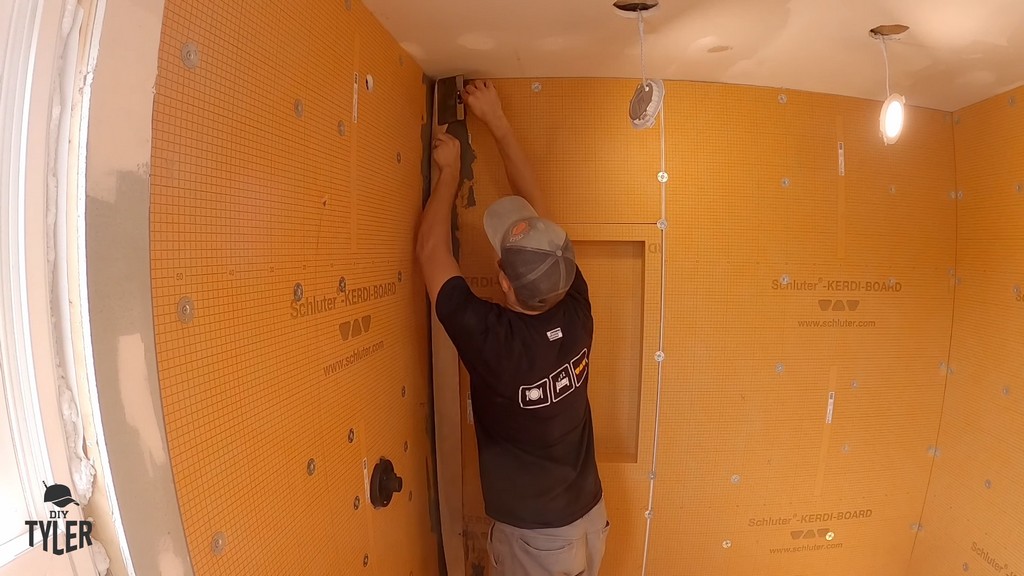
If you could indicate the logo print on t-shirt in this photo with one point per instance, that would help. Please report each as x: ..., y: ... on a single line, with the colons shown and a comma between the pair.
x: 536, y: 396
x: 580, y: 367
x: 563, y: 383
x: 555, y: 334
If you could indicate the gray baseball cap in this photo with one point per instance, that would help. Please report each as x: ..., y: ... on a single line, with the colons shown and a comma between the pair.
x: 536, y: 254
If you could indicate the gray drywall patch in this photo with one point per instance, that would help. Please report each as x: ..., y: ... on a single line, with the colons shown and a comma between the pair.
x: 119, y: 151
x: 123, y: 345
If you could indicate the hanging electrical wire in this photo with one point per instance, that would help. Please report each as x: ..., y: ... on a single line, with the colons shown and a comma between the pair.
x: 890, y: 121
x: 644, y: 109
x: 885, y: 56
x: 647, y: 99
x: 660, y: 354
x: 643, y: 63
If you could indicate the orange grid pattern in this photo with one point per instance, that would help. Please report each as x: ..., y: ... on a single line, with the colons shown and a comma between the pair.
x: 754, y: 197
x: 252, y: 193
x: 974, y: 516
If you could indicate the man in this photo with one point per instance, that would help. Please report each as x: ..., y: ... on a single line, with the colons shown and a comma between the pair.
x: 528, y: 360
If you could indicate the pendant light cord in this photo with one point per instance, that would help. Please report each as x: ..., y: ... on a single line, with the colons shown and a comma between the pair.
x: 885, y: 55
x: 643, y: 63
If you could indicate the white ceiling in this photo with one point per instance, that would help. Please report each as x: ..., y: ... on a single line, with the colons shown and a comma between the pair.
x: 956, y: 53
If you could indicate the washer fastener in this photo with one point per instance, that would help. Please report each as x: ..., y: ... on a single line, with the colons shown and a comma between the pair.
x: 190, y: 55
x: 219, y: 543
x: 311, y: 467
x: 297, y: 292
x: 186, y: 310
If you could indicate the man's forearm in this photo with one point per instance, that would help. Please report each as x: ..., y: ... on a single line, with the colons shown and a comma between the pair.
x: 436, y: 225
x: 517, y: 166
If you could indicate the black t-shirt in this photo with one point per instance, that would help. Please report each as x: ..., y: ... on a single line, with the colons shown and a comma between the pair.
x: 528, y: 383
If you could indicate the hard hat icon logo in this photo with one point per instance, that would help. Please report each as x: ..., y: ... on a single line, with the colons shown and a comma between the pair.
x: 59, y: 495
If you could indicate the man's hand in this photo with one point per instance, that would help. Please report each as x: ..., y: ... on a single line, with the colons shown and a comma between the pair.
x: 482, y: 99
x: 447, y: 153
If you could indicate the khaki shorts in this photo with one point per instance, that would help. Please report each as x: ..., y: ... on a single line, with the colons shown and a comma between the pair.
x: 575, y: 550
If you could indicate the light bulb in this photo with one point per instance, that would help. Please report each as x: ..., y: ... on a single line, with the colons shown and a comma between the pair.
x: 890, y: 123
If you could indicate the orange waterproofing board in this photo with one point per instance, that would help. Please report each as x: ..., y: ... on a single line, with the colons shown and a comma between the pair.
x: 974, y: 517
x: 267, y: 174
x: 808, y: 313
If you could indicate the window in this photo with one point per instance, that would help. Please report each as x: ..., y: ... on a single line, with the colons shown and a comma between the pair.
x: 13, y: 505
x: 33, y: 448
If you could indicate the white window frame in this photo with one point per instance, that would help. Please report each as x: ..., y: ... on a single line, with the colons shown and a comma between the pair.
x: 44, y: 330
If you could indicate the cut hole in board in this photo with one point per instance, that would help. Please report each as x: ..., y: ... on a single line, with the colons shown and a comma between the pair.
x: 369, y: 82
